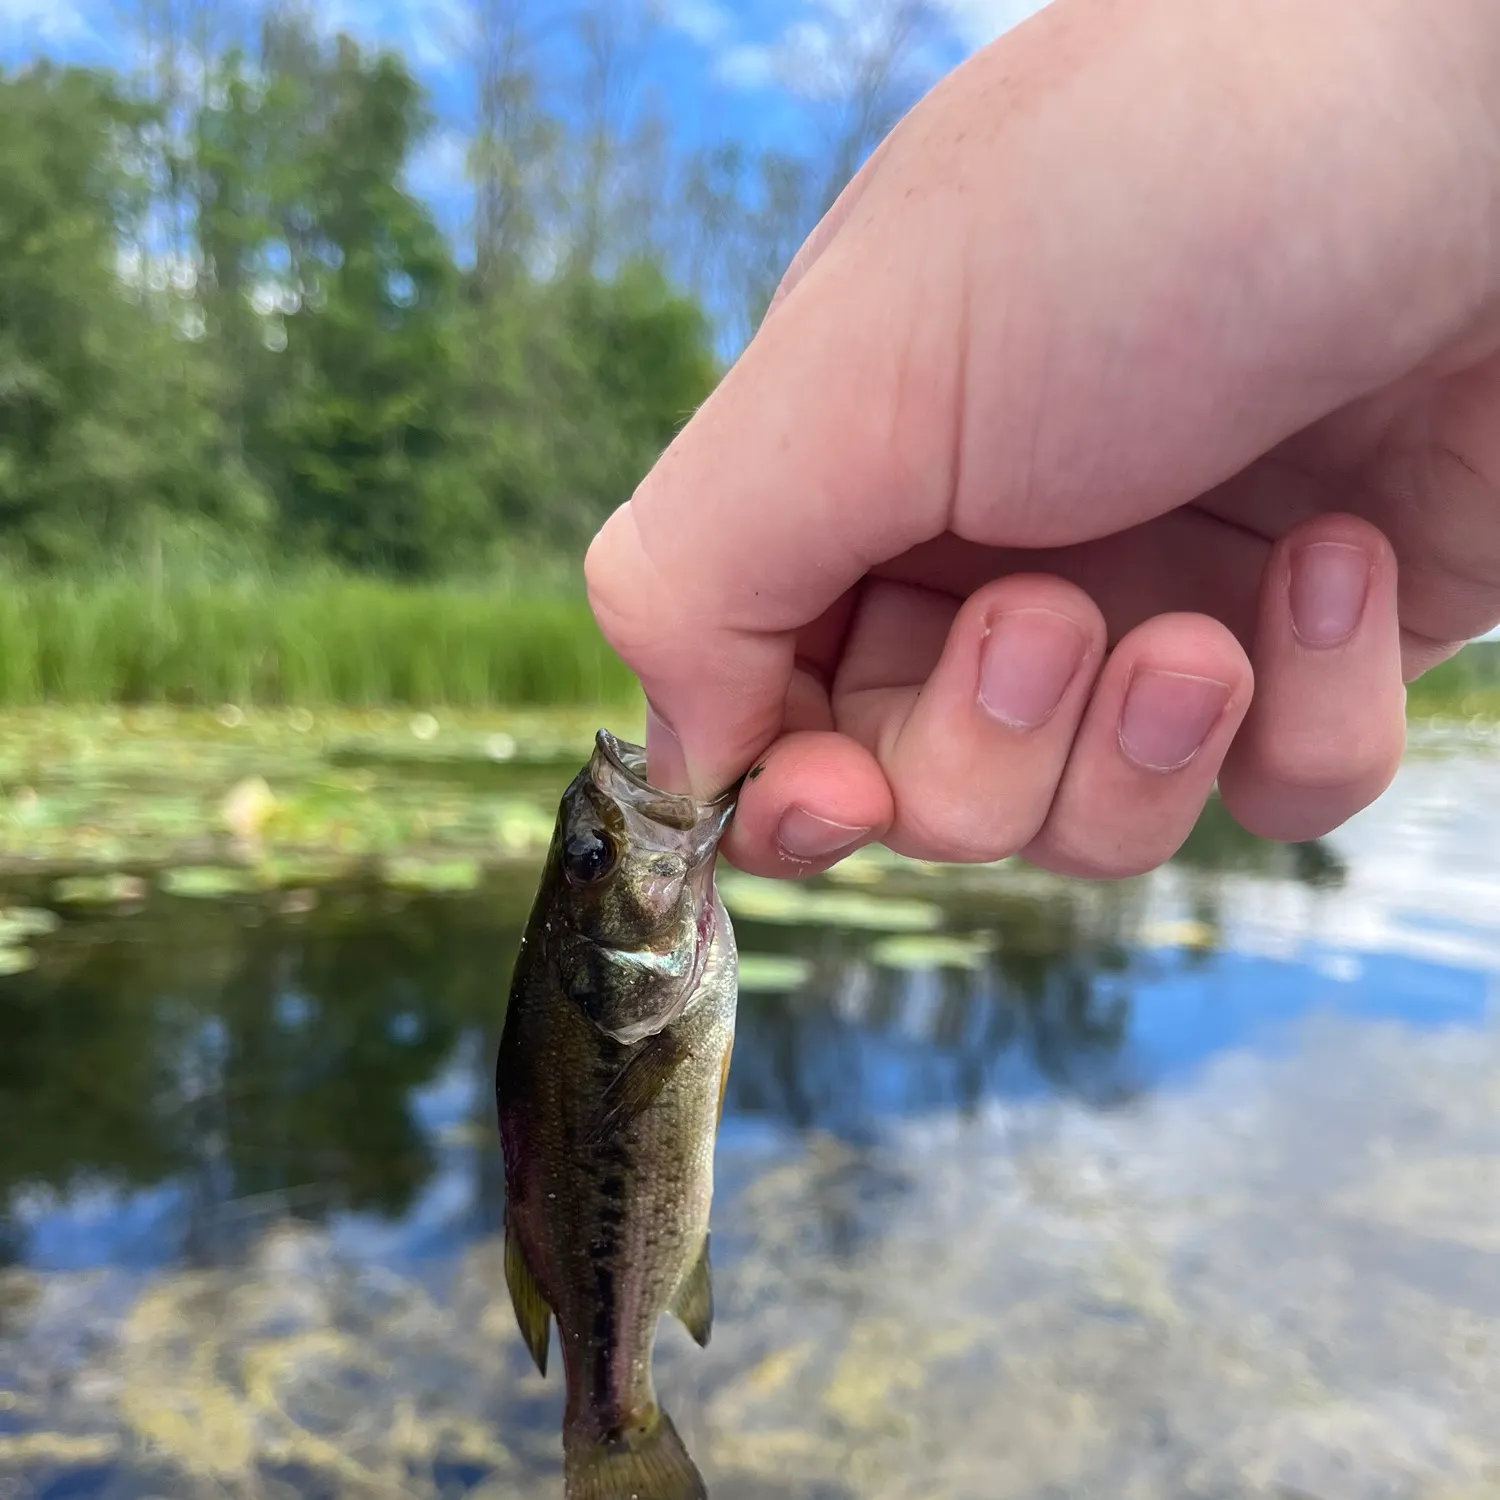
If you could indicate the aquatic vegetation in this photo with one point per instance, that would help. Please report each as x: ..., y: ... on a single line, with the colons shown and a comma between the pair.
x: 920, y: 951
x: 99, y: 890
x: 772, y: 973
x: 1465, y: 687
x: 209, y: 882
x: 16, y: 960
x: 84, y: 791
x: 432, y: 875
x: 19, y: 923
x: 791, y: 904
x: 326, y: 639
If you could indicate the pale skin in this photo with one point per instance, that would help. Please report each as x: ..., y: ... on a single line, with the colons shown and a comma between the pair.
x: 1132, y: 423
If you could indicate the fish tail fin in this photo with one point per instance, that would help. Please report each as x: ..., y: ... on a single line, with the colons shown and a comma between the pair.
x: 645, y: 1461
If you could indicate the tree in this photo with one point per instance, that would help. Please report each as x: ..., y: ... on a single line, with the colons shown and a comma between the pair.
x: 860, y: 69
x: 339, y: 293
x: 855, y: 69
x: 105, y: 421
x: 576, y: 385
x: 513, y: 155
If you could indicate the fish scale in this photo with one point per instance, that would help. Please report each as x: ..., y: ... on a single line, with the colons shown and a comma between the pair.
x: 609, y: 1087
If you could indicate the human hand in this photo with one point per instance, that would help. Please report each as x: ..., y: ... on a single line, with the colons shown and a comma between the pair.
x: 1163, y: 331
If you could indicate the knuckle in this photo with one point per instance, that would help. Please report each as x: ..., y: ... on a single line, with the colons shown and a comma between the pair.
x: 942, y: 828
x: 1102, y: 855
x: 1320, y: 761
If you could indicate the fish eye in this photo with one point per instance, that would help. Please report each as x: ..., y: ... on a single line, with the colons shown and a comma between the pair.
x: 589, y: 854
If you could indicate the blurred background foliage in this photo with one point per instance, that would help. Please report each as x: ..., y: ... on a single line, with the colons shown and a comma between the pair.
x: 264, y: 405
x: 232, y: 336
x: 247, y: 372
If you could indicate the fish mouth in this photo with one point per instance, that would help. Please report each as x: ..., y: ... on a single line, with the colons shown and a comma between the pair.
x: 618, y: 768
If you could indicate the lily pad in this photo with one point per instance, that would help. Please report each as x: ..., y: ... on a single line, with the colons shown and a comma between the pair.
x: 16, y: 960
x: 247, y: 807
x: 1187, y: 933
x: 785, y: 903
x: 435, y: 876
x: 523, y: 827
x: 772, y: 973
x: 18, y: 923
x: 866, y: 867
x: 100, y: 890
x: 924, y: 951
x: 293, y: 870
x: 210, y: 882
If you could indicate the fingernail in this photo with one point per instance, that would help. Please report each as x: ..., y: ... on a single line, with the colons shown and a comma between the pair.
x: 804, y: 837
x: 1027, y: 661
x: 1329, y: 584
x: 1167, y: 716
x: 666, y: 767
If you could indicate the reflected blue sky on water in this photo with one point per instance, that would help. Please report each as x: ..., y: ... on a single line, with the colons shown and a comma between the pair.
x: 854, y: 1053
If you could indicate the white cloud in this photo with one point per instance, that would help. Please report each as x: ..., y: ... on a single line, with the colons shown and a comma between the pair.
x: 806, y: 49
x: 977, y: 22
x: 23, y: 21
x: 749, y: 66
x: 438, y: 166
x: 435, y: 30
x: 704, y: 21
x: 429, y: 31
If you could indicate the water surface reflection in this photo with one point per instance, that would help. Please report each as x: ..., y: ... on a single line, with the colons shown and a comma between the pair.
x: 1186, y: 1186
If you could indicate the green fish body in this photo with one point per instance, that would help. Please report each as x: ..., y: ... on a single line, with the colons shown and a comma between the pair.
x: 609, y: 1086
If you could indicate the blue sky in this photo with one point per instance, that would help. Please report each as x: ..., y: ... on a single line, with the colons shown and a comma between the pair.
x: 718, y: 67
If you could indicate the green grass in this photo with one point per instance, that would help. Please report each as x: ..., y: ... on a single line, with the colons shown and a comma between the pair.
x: 318, y: 641
x: 330, y: 640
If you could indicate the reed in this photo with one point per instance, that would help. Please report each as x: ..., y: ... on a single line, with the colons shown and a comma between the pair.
x: 327, y: 639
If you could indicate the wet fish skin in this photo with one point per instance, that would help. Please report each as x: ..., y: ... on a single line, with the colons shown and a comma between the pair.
x: 609, y: 1086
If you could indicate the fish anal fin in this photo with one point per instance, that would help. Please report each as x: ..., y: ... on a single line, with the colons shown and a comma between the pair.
x: 693, y: 1304
x: 533, y: 1315
x: 648, y: 1461
x: 636, y: 1086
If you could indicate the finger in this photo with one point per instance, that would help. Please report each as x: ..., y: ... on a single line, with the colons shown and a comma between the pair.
x: 814, y: 798
x: 969, y: 710
x: 1163, y: 714
x: 1185, y: 562
x: 1325, y: 733
x: 990, y: 345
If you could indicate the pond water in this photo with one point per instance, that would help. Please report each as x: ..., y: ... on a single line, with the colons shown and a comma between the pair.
x: 1187, y: 1187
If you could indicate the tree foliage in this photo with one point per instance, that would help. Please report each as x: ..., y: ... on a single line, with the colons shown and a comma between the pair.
x: 311, y: 370
x: 229, y: 324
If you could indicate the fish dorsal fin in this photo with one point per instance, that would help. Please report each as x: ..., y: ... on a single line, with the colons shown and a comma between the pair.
x: 635, y: 1087
x: 532, y: 1312
x: 693, y: 1305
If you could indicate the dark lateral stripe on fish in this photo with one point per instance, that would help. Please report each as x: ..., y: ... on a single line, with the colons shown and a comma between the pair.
x: 604, y: 1344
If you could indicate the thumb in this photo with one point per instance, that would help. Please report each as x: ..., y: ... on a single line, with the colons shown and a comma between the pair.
x: 1073, y: 292
x: 805, y: 468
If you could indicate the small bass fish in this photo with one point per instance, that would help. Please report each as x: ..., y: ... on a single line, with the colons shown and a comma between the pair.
x: 609, y: 1085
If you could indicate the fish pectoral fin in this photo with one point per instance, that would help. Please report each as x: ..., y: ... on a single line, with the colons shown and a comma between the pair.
x: 693, y: 1305
x: 635, y: 1087
x: 532, y: 1312
x: 647, y: 1461
x: 723, y: 1084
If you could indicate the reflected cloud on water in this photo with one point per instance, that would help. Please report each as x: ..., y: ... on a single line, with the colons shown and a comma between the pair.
x: 1216, y: 1136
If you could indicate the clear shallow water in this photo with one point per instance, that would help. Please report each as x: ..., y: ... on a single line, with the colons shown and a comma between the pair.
x: 1191, y: 1189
